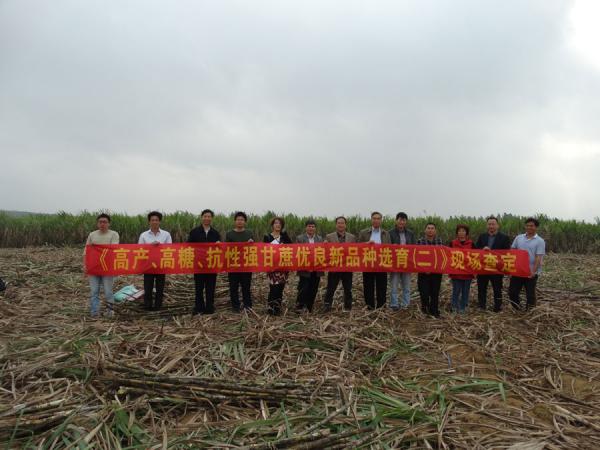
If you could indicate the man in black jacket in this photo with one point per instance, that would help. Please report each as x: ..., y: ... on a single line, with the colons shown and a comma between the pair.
x: 205, y: 282
x: 492, y: 240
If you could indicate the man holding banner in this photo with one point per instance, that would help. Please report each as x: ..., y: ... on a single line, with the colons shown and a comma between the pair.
x: 492, y: 240
x: 403, y: 236
x: 103, y: 235
x: 375, y: 282
x: 536, y: 248
x: 308, y: 282
x: 339, y: 236
x: 154, y: 236
x: 240, y: 279
x: 429, y: 283
x: 204, y: 283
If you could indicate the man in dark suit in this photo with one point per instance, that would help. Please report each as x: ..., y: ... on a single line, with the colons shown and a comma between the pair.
x: 308, y: 284
x: 205, y: 283
x: 492, y: 240
x: 340, y: 235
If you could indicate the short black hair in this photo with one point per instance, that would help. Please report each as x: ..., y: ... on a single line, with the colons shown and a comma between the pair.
x: 310, y: 222
x: 281, y: 221
x: 492, y: 218
x: 376, y: 212
x: 401, y: 215
x: 534, y: 221
x: 154, y: 214
x: 103, y: 216
x: 241, y: 214
x: 462, y: 226
x: 430, y: 223
x: 210, y: 211
x: 340, y: 217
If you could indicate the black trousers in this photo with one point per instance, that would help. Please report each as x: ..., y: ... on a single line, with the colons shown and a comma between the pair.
x: 308, y: 286
x: 514, y: 291
x: 275, y: 298
x: 205, y: 284
x: 375, y: 283
x: 482, y: 285
x: 243, y: 279
x: 150, y: 280
x: 333, y: 280
x: 429, y: 290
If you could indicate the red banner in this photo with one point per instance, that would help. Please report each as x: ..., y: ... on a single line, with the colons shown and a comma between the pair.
x: 128, y: 259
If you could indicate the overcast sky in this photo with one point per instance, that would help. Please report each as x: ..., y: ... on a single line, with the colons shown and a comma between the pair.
x: 312, y: 107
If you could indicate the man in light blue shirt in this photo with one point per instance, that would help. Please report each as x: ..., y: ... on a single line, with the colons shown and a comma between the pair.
x: 536, y: 247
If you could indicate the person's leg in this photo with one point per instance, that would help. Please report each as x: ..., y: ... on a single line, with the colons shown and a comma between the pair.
x: 436, y: 283
x: 314, y: 281
x: 497, y: 288
x: 148, y: 286
x: 381, y: 288
x: 160, y: 290
x: 279, y: 298
x: 199, y: 280
x: 465, y: 296
x: 394, y: 281
x: 107, y: 285
x: 94, y: 281
x: 347, y: 285
x: 271, y: 299
x: 456, y: 292
x: 369, y: 289
x: 302, y: 287
x: 210, y: 283
x: 530, y: 285
x: 424, y: 291
x: 514, y: 290
x: 482, y: 284
x: 246, y: 281
x: 234, y: 290
x: 405, y: 280
x: 332, y: 283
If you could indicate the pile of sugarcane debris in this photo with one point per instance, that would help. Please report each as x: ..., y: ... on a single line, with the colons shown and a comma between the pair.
x: 342, y: 380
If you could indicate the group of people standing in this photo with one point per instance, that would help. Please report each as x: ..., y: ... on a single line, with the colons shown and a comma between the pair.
x: 375, y: 284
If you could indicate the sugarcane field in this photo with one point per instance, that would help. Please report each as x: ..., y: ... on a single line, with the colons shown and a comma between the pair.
x: 526, y: 380
x: 299, y: 225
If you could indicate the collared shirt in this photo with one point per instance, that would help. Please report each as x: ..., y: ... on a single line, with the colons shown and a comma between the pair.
x: 311, y: 240
x: 341, y: 237
x: 376, y: 235
x: 491, y: 240
x: 535, y: 246
x: 149, y: 237
x: 402, y: 234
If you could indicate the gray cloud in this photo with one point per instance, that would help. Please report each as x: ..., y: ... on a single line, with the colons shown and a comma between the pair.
x: 448, y: 107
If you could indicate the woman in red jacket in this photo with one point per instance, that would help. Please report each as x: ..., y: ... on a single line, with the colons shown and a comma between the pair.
x: 461, y: 284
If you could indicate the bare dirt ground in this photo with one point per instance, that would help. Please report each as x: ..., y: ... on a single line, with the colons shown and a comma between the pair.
x: 342, y: 380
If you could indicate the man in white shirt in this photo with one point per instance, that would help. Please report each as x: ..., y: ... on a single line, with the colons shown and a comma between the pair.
x: 375, y: 283
x: 154, y: 236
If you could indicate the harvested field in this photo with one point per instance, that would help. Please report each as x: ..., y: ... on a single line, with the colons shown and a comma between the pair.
x: 343, y: 380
